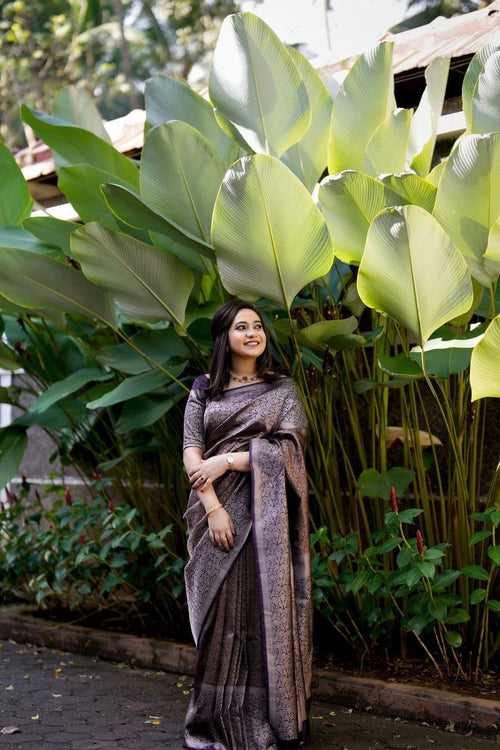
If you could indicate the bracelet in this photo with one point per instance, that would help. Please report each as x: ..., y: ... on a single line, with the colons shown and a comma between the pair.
x: 211, y: 510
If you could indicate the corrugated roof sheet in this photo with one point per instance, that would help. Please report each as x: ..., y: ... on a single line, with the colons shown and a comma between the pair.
x: 444, y: 37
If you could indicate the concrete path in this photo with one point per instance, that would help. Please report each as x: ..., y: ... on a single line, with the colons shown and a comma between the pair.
x: 60, y: 701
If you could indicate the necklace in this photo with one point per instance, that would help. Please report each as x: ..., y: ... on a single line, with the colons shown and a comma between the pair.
x: 243, y: 378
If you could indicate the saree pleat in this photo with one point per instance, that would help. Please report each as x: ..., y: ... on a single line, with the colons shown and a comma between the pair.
x: 250, y: 609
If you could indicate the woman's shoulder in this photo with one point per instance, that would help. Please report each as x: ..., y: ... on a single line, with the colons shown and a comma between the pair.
x: 201, y: 383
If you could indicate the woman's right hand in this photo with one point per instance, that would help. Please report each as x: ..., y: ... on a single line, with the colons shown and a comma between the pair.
x: 221, y: 529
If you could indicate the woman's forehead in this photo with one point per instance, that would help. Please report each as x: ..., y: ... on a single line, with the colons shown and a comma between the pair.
x: 246, y: 315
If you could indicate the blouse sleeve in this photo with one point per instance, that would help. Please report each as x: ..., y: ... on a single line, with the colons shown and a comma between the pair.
x: 194, y: 430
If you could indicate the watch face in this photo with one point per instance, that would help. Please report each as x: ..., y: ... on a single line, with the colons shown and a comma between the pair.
x: 230, y: 461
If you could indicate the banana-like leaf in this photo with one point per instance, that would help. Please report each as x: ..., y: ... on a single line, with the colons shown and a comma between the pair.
x: 468, y: 197
x: 52, y: 231
x: 64, y: 388
x: 81, y: 184
x: 400, y: 366
x: 8, y: 361
x: 336, y: 335
x: 130, y: 209
x: 13, y: 442
x: 76, y: 106
x: 471, y: 78
x: 15, y: 199
x: 255, y: 84
x: 492, y: 254
x: 424, y: 123
x: 447, y: 353
x: 362, y: 104
x: 20, y: 239
x: 181, y: 173
x: 172, y: 99
x: 38, y: 282
x: 411, y: 271
x: 386, y: 149
x: 349, y: 202
x: 132, y: 387
x: 486, y: 98
x: 269, y: 236
x: 78, y: 146
x: 308, y: 158
x: 485, y: 363
x: 412, y: 189
x: 142, y: 412
x: 162, y: 347
x: 147, y: 284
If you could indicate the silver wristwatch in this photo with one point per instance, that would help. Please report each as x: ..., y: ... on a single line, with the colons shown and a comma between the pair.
x: 230, y: 461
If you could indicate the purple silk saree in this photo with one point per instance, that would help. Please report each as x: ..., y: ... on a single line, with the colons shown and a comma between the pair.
x: 250, y: 608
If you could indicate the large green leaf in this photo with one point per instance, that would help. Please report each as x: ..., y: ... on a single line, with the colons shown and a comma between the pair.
x: 75, y: 105
x: 468, y: 197
x: 350, y: 201
x: 63, y: 388
x: 373, y: 484
x: 485, y: 363
x: 361, y: 105
x: 269, y: 236
x: 412, y: 189
x: 308, y: 158
x: 424, y: 123
x: 337, y: 335
x: 15, y: 199
x: 13, y: 442
x: 411, y: 271
x: 492, y: 253
x: 486, y: 98
x: 386, y: 149
x: 255, y: 84
x: 448, y: 353
x: 173, y: 99
x: 167, y: 235
x: 147, y: 284
x: 181, y: 173
x: 78, y: 146
x: 55, y: 232
x: 18, y: 238
x: 37, y: 282
x: 81, y: 184
x: 137, y: 385
x: 142, y: 412
x: 146, y: 348
x: 471, y: 81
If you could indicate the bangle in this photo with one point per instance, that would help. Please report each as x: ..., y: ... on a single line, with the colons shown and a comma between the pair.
x: 216, y: 507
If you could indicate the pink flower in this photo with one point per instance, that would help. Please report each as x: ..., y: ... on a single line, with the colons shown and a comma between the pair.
x: 420, y: 543
x: 394, y: 502
x: 67, y: 495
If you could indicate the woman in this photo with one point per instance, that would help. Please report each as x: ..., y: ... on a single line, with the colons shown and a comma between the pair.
x: 247, y: 579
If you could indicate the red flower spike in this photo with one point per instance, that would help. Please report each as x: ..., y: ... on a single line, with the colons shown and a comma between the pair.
x: 97, y: 476
x: 111, y: 506
x: 394, y: 502
x: 82, y: 539
x: 420, y: 543
x: 67, y: 495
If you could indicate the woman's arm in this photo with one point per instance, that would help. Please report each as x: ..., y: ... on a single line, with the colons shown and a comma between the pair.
x: 220, y: 524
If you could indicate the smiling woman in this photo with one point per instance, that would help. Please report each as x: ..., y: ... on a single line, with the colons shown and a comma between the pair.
x: 247, y: 579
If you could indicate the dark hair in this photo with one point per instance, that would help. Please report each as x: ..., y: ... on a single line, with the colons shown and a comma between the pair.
x: 221, y: 357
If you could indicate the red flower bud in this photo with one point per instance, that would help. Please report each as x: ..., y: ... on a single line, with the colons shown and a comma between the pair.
x: 394, y: 502
x: 67, y: 495
x: 97, y: 476
x: 51, y: 525
x: 111, y: 506
x: 82, y: 539
x: 420, y: 543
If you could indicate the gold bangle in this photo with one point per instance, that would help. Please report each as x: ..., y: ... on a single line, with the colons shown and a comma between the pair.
x: 211, y: 510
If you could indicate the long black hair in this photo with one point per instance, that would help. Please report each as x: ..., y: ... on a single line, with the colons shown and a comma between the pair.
x: 220, y: 361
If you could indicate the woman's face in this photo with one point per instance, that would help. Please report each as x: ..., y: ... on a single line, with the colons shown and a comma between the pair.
x: 246, y: 337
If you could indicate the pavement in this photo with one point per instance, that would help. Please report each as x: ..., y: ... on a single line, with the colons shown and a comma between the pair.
x: 55, y: 700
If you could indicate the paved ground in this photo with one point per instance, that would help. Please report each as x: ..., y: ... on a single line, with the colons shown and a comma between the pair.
x: 60, y: 701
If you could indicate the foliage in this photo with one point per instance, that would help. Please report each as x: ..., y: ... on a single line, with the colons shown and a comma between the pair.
x: 88, y: 554
x: 107, y: 47
x: 381, y: 303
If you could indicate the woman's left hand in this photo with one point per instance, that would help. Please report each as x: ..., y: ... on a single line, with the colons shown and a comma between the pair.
x: 207, y: 471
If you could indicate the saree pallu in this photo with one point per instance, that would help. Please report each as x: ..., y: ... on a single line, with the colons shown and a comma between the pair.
x: 250, y: 608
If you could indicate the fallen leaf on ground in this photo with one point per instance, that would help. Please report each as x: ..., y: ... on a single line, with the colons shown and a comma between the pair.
x: 35, y: 717
x: 10, y: 687
x: 57, y: 672
x: 10, y: 730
